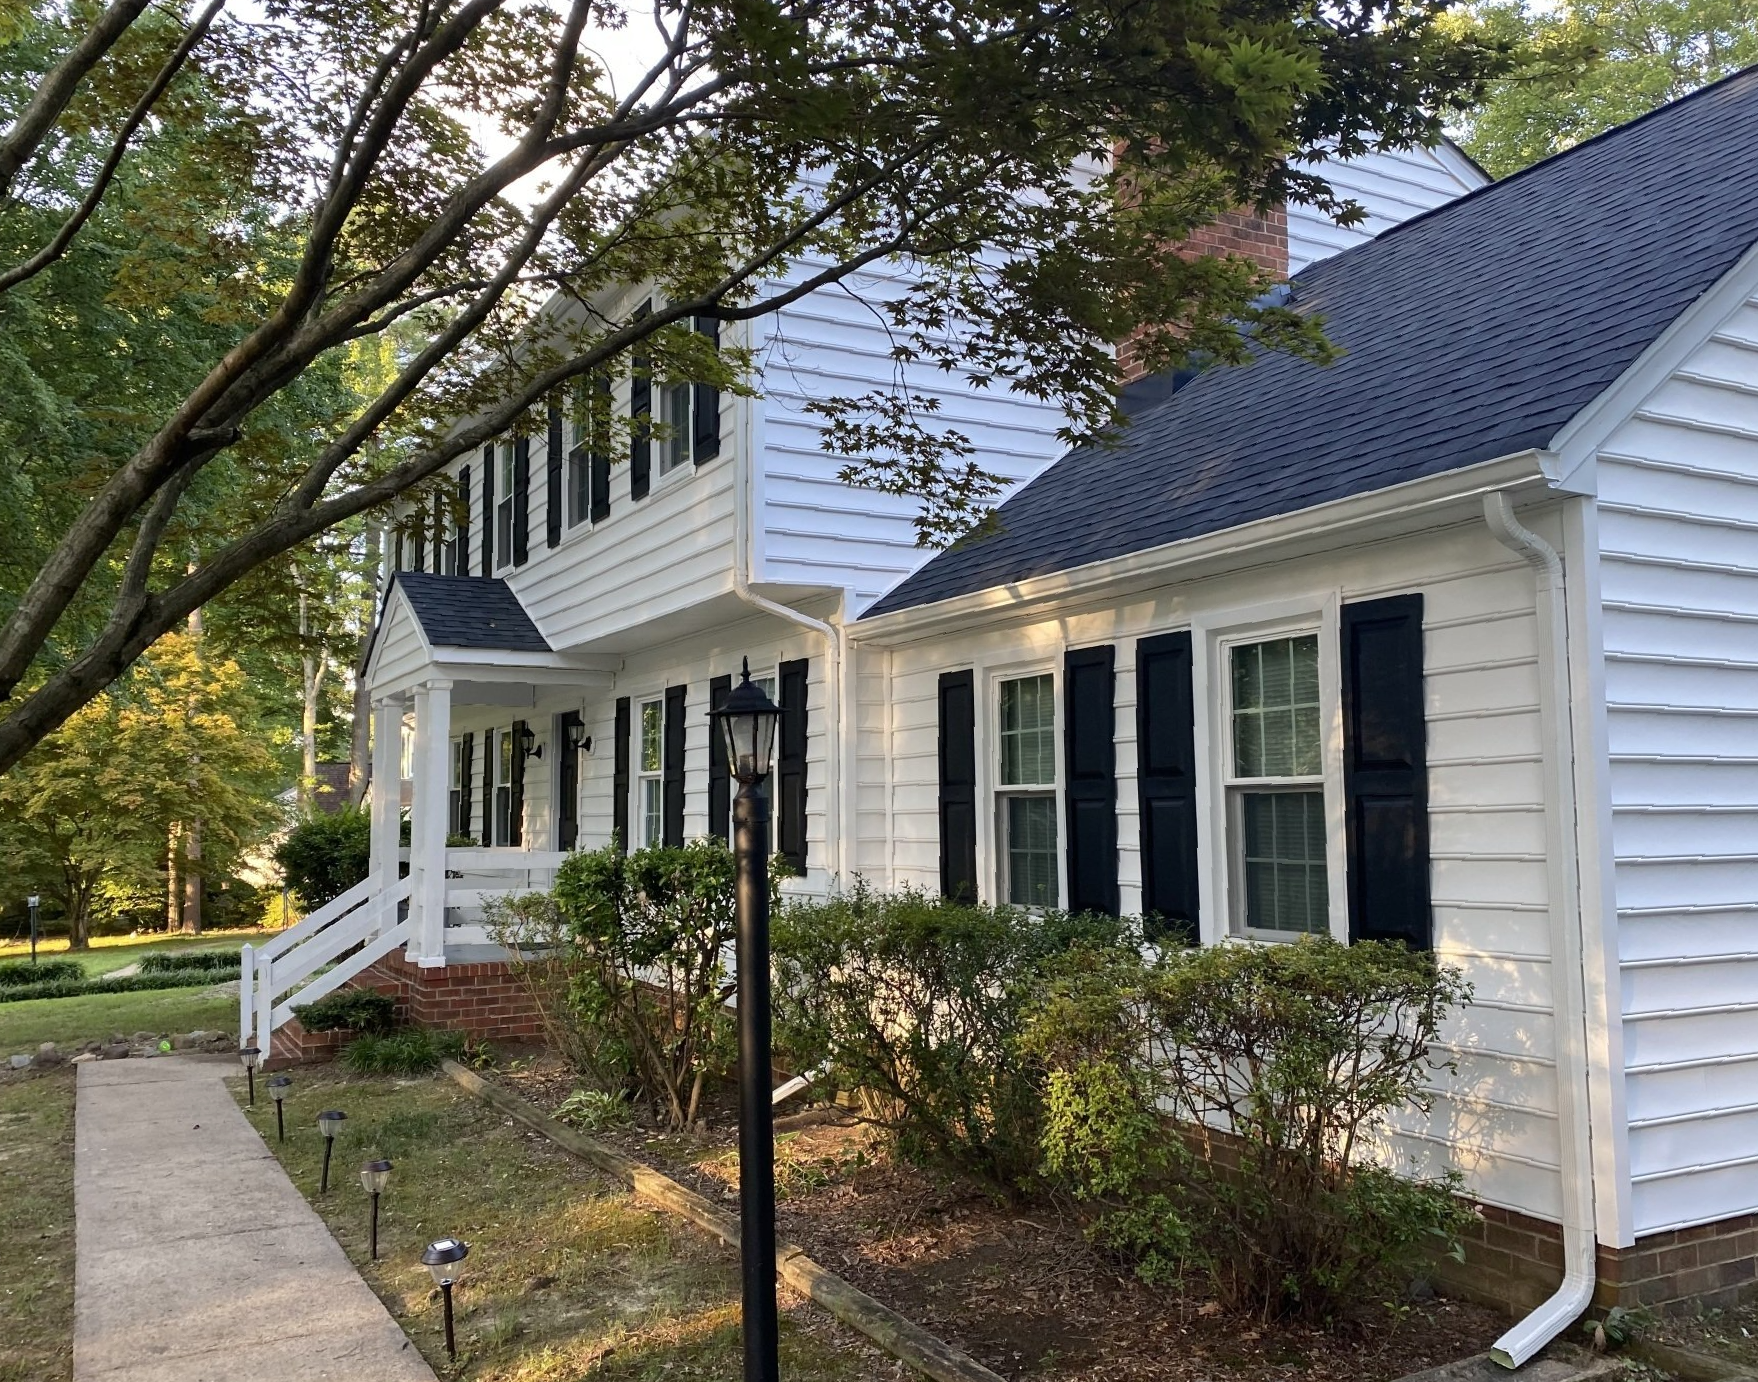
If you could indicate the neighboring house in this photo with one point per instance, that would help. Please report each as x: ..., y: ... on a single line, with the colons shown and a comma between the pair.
x: 1454, y: 641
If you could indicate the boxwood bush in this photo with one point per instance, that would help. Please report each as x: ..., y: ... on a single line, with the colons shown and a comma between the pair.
x: 17, y: 973
x: 223, y: 963
x: 349, y: 1010
x: 133, y: 983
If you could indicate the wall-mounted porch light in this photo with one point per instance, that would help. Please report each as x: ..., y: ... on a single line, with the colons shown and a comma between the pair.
x: 578, y: 739
x: 528, y: 744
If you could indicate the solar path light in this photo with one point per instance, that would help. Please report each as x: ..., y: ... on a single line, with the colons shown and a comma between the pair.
x: 747, y: 719
x: 278, y: 1087
x: 445, y: 1259
x: 329, y: 1123
x: 249, y: 1055
x: 373, y: 1177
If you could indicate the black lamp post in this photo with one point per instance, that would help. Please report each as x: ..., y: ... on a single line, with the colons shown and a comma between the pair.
x: 444, y: 1259
x: 34, y: 901
x: 278, y: 1087
x: 329, y: 1123
x: 248, y: 1055
x: 373, y: 1177
x: 747, y: 718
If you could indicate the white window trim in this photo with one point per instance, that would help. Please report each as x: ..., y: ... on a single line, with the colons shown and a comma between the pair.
x: 637, y: 812
x: 1213, y: 632
x: 991, y: 858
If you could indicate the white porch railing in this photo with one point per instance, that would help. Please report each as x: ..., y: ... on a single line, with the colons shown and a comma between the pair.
x: 277, y: 972
x: 477, y: 876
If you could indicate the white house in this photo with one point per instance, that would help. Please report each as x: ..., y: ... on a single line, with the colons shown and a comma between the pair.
x: 1454, y: 641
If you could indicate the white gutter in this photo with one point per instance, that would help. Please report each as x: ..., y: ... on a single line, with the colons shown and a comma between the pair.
x: 1574, y: 1129
x: 839, y: 772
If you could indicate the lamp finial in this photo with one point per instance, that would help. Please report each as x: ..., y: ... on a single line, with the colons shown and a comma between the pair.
x: 747, y: 667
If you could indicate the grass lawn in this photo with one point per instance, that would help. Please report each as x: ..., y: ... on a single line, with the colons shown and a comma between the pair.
x: 568, y: 1273
x: 36, y: 1225
x: 70, y: 1021
x: 109, y: 953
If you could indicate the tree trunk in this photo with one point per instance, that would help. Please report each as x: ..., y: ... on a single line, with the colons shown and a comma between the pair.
x: 173, y: 888
x: 360, y: 755
x: 192, y: 879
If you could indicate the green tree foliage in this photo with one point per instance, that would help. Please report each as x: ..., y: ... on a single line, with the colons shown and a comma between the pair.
x: 1226, y: 1111
x: 1584, y: 66
x: 921, y: 1003
x: 325, y: 855
x: 275, y: 291
x: 91, y: 808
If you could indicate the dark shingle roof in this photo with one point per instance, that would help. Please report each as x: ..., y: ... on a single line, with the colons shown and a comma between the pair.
x: 1472, y: 332
x: 470, y: 612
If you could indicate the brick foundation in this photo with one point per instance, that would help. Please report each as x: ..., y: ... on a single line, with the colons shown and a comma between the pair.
x: 483, y: 1001
x: 1515, y: 1261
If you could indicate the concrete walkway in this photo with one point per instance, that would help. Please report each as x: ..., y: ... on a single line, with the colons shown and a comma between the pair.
x: 197, y: 1260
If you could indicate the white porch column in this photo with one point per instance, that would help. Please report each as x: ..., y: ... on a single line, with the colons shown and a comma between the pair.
x: 387, y: 790
x: 427, y: 822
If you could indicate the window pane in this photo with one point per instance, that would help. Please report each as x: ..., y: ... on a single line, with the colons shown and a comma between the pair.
x: 652, y: 725
x: 1031, y: 851
x: 579, y: 479
x: 675, y: 406
x: 652, y: 803
x: 1028, y: 732
x: 1276, y: 708
x: 1284, y: 861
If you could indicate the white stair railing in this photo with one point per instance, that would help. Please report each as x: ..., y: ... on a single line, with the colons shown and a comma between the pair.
x: 289, y: 959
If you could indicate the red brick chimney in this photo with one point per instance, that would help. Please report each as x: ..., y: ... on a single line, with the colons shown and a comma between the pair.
x: 1242, y: 233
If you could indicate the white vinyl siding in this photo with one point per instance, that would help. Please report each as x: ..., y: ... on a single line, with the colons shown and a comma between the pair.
x: 1678, y: 533
x: 1391, y: 185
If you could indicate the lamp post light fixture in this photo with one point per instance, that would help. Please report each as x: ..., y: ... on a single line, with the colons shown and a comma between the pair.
x: 33, y: 902
x: 329, y: 1123
x: 249, y: 1055
x: 373, y: 1177
x: 445, y: 1260
x: 747, y: 720
x: 278, y: 1087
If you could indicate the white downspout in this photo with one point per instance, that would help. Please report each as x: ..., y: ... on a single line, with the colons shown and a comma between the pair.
x: 839, y: 771
x: 1569, y: 1001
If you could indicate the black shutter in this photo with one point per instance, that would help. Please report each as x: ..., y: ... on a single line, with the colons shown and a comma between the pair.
x: 552, y: 491
x: 1385, y: 771
x: 1090, y: 754
x: 640, y: 401
x: 488, y: 510
x: 439, y: 528
x: 958, y: 786
x: 600, y: 462
x: 488, y: 756
x: 466, y: 774
x: 705, y: 408
x: 521, y: 500
x: 516, y: 811
x: 461, y: 563
x: 719, y: 778
x: 672, y: 769
x: 1165, y: 737
x: 619, y: 807
x: 790, y: 767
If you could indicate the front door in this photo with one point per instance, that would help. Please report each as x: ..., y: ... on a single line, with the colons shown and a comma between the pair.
x: 568, y: 782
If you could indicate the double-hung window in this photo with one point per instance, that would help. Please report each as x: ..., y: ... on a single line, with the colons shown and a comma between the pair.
x: 503, y: 788
x: 677, y: 413
x: 580, y: 431
x: 455, y: 798
x: 1275, y: 787
x: 650, y: 779
x: 1026, y: 792
x: 503, y: 515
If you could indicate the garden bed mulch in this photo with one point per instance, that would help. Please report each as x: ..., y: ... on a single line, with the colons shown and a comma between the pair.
x: 1017, y: 1288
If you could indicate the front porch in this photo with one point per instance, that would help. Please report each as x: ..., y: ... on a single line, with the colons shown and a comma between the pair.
x: 459, y: 676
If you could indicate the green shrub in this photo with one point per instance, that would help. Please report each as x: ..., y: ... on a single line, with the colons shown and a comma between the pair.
x: 920, y: 1002
x: 164, y: 961
x: 17, y: 973
x: 133, y: 983
x: 650, y: 932
x: 349, y: 1010
x: 324, y: 856
x: 412, y: 1051
x: 1250, y: 1147
x: 546, y: 962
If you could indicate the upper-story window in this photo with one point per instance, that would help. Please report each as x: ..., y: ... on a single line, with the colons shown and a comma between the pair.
x: 1275, y: 787
x: 650, y: 781
x: 1026, y: 794
x: 588, y: 473
x: 678, y: 413
x: 503, y: 512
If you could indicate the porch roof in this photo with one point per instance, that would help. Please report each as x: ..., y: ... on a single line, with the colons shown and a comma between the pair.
x: 470, y: 612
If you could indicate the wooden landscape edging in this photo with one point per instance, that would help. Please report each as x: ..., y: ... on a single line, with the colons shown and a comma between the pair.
x: 901, y: 1338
